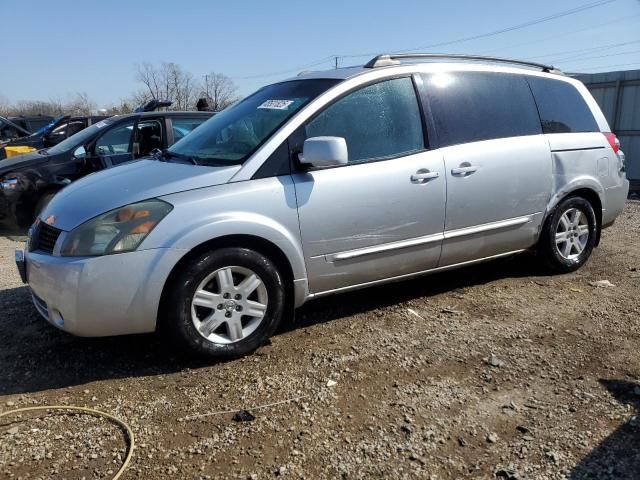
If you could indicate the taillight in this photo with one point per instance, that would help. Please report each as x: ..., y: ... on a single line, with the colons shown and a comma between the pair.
x: 613, y: 141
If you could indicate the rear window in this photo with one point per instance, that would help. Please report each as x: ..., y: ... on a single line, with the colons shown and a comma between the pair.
x: 562, y: 108
x: 39, y: 123
x: 475, y: 106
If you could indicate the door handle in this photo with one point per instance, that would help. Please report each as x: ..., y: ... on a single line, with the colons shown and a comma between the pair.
x: 464, y: 171
x: 423, y: 176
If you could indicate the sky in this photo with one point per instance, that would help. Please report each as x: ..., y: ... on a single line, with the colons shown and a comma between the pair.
x: 54, y: 49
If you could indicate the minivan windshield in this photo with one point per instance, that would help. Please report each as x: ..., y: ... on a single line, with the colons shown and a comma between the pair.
x: 231, y: 136
x: 79, y: 138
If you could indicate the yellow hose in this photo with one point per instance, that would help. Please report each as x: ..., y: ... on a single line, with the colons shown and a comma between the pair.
x: 126, y: 428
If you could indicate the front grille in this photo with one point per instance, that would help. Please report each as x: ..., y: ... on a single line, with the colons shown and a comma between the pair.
x: 44, y: 238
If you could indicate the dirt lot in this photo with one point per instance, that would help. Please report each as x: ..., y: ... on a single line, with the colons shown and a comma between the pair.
x: 495, y: 371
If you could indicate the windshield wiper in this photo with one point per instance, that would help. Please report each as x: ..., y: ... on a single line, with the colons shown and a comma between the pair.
x: 167, y: 154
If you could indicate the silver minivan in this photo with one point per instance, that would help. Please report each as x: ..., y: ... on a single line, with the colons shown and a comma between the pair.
x: 328, y: 182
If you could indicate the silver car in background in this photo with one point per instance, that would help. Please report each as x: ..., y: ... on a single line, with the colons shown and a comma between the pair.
x: 324, y: 183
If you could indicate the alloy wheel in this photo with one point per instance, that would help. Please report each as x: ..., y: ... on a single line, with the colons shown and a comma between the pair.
x: 572, y: 233
x: 229, y: 305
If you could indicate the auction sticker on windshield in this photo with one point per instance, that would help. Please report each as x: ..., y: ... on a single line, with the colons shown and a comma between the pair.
x: 276, y: 104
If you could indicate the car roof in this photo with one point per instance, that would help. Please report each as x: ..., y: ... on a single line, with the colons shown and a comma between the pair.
x: 93, y: 117
x: 172, y: 113
x: 341, y: 73
x: 432, y: 62
x: 37, y: 116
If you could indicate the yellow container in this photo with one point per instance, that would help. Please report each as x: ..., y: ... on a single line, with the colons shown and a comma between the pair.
x: 18, y: 150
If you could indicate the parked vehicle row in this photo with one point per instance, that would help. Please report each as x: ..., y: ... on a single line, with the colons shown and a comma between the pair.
x: 320, y: 184
x: 52, y: 133
x: 28, y: 182
x: 32, y: 123
x: 21, y: 127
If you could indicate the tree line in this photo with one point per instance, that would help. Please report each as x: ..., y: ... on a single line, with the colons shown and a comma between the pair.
x: 162, y: 81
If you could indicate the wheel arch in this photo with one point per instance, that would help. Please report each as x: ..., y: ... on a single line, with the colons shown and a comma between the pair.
x: 253, y: 242
x: 589, y: 193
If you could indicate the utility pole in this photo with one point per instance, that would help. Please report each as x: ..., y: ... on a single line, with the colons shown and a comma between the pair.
x: 336, y: 61
x: 206, y: 85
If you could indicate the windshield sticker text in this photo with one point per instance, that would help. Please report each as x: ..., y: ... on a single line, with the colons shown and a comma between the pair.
x: 276, y: 104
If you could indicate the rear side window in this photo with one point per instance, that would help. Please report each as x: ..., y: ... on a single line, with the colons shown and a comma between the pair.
x: 182, y: 126
x: 115, y: 141
x: 38, y: 123
x: 562, y: 108
x: 148, y: 137
x: 378, y: 121
x: 475, y: 106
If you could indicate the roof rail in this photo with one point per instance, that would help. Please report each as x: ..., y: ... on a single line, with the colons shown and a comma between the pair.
x: 394, y: 59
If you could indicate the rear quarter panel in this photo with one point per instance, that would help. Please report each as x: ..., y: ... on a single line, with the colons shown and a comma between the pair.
x: 586, y: 160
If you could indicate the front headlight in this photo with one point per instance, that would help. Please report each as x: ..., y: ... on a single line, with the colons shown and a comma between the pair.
x: 9, y: 184
x: 120, y: 230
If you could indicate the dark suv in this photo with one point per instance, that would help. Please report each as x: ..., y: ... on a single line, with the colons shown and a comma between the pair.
x: 53, y: 132
x: 10, y: 131
x: 32, y: 123
x: 28, y: 182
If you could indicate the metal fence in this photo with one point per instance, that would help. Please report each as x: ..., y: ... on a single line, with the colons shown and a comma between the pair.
x: 618, y: 94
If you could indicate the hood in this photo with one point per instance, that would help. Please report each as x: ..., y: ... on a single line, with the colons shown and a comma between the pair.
x: 133, y: 182
x: 23, y: 161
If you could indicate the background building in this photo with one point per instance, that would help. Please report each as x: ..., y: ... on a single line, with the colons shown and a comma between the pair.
x: 618, y: 94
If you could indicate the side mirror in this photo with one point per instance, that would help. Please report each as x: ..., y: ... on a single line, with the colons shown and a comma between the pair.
x: 80, y: 152
x: 324, y: 152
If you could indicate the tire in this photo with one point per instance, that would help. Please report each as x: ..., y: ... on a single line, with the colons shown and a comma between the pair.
x: 569, y: 235
x: 223, y: 320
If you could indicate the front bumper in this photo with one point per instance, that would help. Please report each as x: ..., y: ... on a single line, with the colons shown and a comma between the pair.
x: 100, y: 296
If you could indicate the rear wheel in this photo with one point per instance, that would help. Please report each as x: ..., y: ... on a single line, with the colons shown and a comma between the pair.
x: 569, y: 235
x: 226, y: 303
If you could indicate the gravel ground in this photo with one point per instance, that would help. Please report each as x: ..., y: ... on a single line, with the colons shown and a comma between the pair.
x: 495, y: 371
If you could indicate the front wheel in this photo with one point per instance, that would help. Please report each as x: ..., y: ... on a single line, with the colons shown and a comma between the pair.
x: 226, y: 303
x: 569, y: 235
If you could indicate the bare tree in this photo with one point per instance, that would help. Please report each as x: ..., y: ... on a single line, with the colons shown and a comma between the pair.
x: 5, y: 106
x: 148, y: 75
x: 35, y: 107
x: 166, y: 81
x: 81, y: 104
x: 219, y: 90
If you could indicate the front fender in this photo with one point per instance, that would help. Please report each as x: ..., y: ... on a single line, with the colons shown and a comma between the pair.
x: 243, y: 223
x: 262, y: 208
